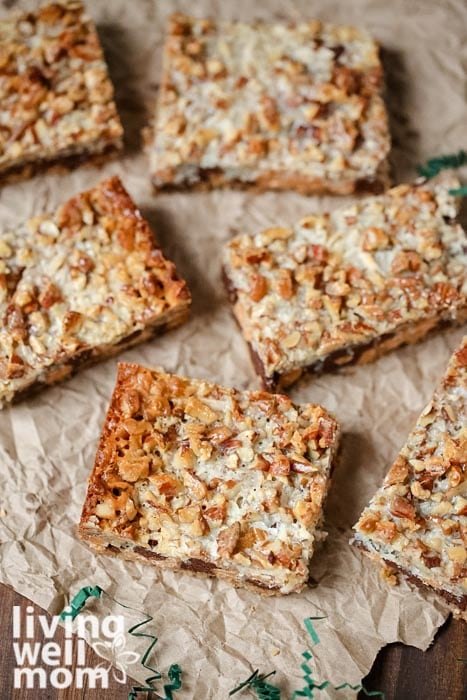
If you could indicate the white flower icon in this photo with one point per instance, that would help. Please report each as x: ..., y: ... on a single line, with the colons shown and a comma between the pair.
x: 118, y: 656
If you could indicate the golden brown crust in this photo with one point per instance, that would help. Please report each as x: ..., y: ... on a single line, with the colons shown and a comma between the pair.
x: 78, y: 285
x: 59, y: 166
x: 215, y: 179
x: 390, y: 572
x: 56, y: 98
x: 197, y: 477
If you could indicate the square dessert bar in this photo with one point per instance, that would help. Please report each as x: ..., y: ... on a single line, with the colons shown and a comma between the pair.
x: 350, y: 285
x: 81, y: 284
x: 416, y: 524
x: 56, y: 99
x: 270, y: 106
x: 196, y: 477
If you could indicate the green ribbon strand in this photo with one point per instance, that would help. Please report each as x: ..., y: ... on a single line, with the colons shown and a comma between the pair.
x: 311, y: 685
x: 174, y: 673
x: 257, y: 682
x: 433, y: 166
x: 267, y: 691
x: 308, y: 691
x: 459, y: 192
x: 79, y: 601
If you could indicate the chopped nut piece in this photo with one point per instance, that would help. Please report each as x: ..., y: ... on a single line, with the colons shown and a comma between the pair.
x: 292, y: 340
x: 258, y: 287
x: 196, y: 489
x: 188, y: 514
x: 198, y: 409
x: 240, y: 496
x: 398, y: 472
x: 419, y: 492
x: 401, y: 508
x: 305, y: 512
x: 375, y: 239
x: 280, y: 465
x: 227, y: 540
x: 388, y: 574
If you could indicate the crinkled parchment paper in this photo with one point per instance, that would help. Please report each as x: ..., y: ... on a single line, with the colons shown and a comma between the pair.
x: 47, y: 444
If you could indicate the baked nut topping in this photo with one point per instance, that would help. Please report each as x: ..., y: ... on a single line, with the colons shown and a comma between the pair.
x: 351, y: 284
x: 417, y: 521
x: 274, y: 106
x: 56, y: 98
x: 194, y: 476
x: 80, y: 284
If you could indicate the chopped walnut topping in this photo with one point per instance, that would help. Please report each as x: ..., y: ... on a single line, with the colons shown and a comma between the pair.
x: 79, y: 293
x: 418, y: 519
x: 218, y: 474
x: 349, y: 285
x: 389, y: 574
x: 293, y: 116
x: 56, y: 95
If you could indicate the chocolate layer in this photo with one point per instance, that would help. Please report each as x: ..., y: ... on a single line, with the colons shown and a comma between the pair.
x: 198, y: 565
x: 148, y: 553
x: 215, y: 178
x: 88, y: 357
x: 460, y: 602
x: 333, y: 362
x: 263, y: 586
x: 23, y: 171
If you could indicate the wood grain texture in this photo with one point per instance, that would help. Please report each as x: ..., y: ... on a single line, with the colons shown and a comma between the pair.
x: 115, y: 691
x: 406, y: 673
x: 401, y: 672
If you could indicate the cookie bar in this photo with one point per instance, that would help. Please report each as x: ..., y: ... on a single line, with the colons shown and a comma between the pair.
x: 56, y: 99
x: 81, y: 284
x: 269, y: 106
x: 196, y: 477
x: 416, y: 524
x: 350, y: 285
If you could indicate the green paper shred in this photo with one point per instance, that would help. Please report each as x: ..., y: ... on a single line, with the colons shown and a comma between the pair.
x: 257, y: 682
x: 434, y: 166
x: 155, y: 675
x: 79, y: 601
x: 174, y: 673
x: 459, y: 192
x: 310, y: 629
x: 308, y: 691
x: 175, y: 678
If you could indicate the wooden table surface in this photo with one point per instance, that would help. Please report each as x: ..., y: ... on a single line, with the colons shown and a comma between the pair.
x: 401, y: 672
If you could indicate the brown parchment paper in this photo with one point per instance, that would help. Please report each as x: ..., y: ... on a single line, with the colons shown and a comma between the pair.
x: 47, y: 444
